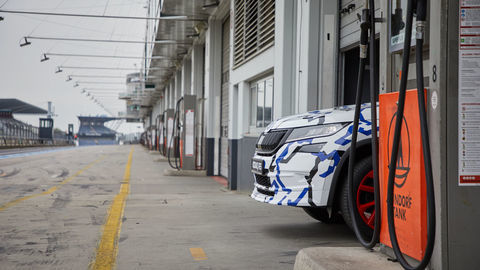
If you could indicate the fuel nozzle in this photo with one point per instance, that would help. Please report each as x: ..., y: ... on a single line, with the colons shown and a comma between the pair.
x: 364, y: 27
x: 421, y: 12
x: 396, y: 19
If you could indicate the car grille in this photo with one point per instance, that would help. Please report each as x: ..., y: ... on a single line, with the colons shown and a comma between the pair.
x: 270, y: 141
x: 262, y: 180
x: 266, y: 192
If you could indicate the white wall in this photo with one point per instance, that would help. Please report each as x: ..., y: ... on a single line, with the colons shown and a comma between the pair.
x: 240, y: 78
x: 284, y: 66
x: 328, y: 54
x: 308, y: 28
x: 186, y: 76
x: 213, y: 56
x: 197, y: 70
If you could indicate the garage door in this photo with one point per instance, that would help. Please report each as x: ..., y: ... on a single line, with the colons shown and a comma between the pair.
x: 224, y: 98
x: 349, y: 23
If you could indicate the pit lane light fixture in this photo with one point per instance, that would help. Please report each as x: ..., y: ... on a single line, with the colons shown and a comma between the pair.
x: 211, y: 5
x: 25, y: 42
x: 89, y: 82
x: 45, y: 58
x: 105, y: 89
x: 96, y: 76
x: 157, y: 41
x: 113, y: 68
x: 109, y: 56
x: 193, y: 35
x: 171, y: 17
x: 59, y: 69
x: 69, y: 78
x: 76, y: 84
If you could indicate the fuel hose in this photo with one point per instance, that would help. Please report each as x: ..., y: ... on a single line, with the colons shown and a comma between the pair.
x: 421, y: 11
x: 367, y: 23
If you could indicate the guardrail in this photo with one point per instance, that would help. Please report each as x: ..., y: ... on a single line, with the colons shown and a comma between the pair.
x: 11, y: 141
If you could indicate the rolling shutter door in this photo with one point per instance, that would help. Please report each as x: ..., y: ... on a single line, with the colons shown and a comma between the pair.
x: 224, y: 98
x: 349, y: 23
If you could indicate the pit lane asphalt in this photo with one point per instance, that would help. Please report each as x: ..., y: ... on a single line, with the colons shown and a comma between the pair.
x: 63, y: 199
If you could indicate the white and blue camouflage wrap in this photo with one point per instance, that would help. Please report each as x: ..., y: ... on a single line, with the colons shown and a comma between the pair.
x: 304, y: 179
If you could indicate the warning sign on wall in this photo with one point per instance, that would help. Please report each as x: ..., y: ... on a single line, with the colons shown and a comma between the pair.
x: 469, y: 93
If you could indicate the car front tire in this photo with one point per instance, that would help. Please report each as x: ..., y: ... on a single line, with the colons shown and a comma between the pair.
x: 363, y: 194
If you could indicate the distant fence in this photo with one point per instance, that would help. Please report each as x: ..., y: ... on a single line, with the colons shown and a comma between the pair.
x: 15, y: 141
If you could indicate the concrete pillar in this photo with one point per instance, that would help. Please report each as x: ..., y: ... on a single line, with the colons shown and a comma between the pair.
x: 234, y: 114
x: 285, y: 18
x: 243, y: 107
x: 213, y: 75
x: 197, y: 70
x: 177, y: 87
x: 167, y: 96
x: 213, y: 79
x: 186, y: 77
x: 162, y: 101
x: 308, y: 28
x: 328, y: 54
x: 172, y: 94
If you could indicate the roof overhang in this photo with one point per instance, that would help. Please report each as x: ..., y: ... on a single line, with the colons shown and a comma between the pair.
x: 19, y: 107
x: 186, y: 31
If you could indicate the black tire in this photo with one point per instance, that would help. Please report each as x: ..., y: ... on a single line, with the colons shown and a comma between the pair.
x: 321, y: 214
x: 360, y: 170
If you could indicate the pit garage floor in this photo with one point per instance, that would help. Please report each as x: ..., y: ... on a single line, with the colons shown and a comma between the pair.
x: 74, y: 208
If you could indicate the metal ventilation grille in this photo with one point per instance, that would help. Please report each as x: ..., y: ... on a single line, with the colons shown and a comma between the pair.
x: 254, y: 28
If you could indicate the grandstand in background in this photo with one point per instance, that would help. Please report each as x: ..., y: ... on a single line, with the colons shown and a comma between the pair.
x: 92, y: 131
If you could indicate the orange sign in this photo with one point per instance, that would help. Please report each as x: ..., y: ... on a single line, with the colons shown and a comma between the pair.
x: 409, y: 200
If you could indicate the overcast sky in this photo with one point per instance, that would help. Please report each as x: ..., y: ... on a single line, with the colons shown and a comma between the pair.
x: 24, y: 77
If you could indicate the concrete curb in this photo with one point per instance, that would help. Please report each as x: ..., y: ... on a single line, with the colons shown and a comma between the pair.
x: 172, y: 172
x: 342, y: 258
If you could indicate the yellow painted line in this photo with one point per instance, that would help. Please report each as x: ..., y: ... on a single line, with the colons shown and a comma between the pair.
x: 198, y: 254
x: 50, y: 190
x: 108, y: 247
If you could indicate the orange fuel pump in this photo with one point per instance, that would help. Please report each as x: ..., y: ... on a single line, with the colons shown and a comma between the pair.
x: 403, y: 172
x: 409, y: 197
x: 175, y: 139
x: 183, y: 134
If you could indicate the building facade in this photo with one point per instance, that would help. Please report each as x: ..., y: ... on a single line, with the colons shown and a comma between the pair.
x: 247, y: 63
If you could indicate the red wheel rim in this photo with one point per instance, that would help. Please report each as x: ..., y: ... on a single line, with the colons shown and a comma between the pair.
x: 366, y: 200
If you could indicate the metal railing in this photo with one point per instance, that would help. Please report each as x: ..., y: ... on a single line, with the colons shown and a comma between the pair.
x: 16, y: 141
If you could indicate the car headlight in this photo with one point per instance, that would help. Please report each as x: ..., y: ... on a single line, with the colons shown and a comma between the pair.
x: 314, y: 131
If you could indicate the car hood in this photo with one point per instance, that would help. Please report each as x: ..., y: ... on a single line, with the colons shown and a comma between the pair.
x: 341, y: 114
